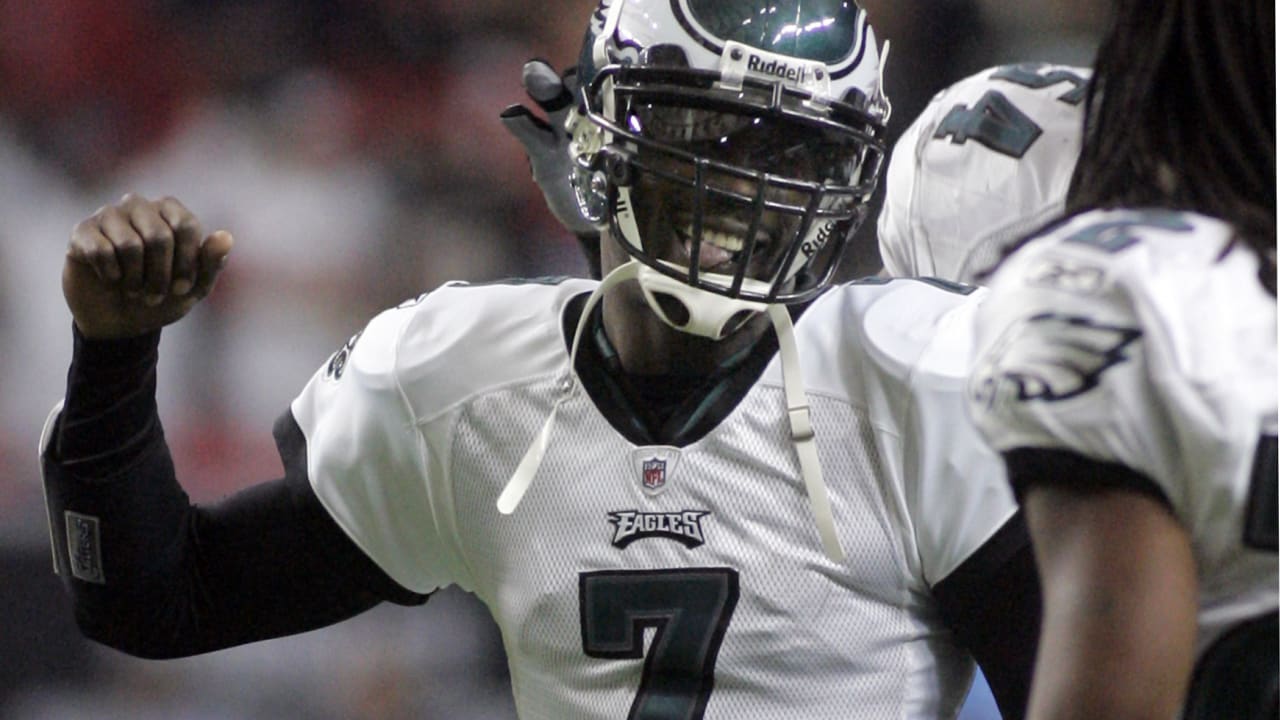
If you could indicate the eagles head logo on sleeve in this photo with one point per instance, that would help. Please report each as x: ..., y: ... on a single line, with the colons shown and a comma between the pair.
x: 338, y: 361
x: 1050, y: 357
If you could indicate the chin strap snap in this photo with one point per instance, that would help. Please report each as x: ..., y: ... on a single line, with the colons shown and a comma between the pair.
x: 797, y: 412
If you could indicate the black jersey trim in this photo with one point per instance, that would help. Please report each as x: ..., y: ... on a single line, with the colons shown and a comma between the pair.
x: 693, y: 411
x: 1071, y: 470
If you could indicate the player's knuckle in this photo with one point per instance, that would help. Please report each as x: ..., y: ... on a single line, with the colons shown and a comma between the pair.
x: 173, y: 210
x: 108, y: 214
x: 131, y: 199
x: 129, y: 246
x: 91, y: 253
x: 157, y: 237
x: 84, y: 228
x: 172, y: 203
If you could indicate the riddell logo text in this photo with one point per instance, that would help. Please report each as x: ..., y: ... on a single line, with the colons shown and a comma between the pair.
x: 777, y: 68
x: 811, y: 247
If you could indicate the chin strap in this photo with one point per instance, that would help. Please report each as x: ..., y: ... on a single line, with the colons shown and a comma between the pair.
x: 802, y: 432
x: 797, y: 413
x: 522, y: 478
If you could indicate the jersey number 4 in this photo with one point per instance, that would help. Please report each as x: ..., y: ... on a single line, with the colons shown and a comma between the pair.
x: 688, y: 611
x: 996, y: 122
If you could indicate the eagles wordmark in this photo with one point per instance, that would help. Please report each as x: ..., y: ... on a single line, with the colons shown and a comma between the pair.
x: 685, y: 527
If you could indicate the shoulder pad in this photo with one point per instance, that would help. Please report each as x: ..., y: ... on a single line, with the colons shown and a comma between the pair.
x: 908, y: 326
x: 460, y: 338
x: 989, y: 159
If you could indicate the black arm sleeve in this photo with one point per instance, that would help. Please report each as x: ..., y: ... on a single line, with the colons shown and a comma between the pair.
x: 992, y: 603
x: 155, y: 576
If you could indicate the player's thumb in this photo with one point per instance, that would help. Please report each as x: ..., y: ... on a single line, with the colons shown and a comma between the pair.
x: 213, y: 258
x: 532, y: 131
x: 544, y: 85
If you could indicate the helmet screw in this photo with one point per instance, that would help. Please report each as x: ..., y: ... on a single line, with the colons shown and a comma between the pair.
x: 618, y: 168
x: 735, y: 54
x: 599, y: 186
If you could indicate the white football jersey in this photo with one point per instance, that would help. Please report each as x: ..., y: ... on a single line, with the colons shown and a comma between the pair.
x: 1144, y: 338
x: 664, y: 581
x: 989, y: 159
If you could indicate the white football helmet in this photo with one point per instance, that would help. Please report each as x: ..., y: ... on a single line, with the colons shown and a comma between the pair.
x: 988, y: 160
x: 731, y: 146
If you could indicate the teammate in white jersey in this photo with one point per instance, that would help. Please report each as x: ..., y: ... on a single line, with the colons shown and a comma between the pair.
x: 707, y: 486
x: 987, y: 161
x: 1128, y: 374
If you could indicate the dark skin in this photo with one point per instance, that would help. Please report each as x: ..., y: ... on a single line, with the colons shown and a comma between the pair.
x: 646, y: 345
x: 138, y: 265
x: 1119, y: 630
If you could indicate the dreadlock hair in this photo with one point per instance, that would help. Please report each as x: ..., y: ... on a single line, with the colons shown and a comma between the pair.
x: 1180, y: 114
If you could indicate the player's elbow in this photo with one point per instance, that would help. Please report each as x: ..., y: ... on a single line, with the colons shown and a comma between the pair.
x: 132, y: 633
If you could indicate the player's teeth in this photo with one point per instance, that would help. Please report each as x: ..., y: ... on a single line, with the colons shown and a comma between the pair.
x: 724, y: 241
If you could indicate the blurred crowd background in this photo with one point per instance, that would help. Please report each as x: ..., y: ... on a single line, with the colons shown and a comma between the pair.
x: 353, y: 147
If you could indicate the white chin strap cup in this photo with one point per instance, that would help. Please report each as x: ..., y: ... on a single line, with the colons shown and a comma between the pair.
x: 709, y: 315
x: 792, y: 381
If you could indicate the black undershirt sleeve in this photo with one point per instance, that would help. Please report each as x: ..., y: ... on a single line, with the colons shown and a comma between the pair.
x: 992, y: 603
x: 1031, y: 466
x: 153, y: 575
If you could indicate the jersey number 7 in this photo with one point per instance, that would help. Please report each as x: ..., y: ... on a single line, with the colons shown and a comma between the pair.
x: 687, y: 609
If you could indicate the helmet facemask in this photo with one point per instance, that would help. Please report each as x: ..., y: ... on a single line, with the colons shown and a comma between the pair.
x: 745, y: 189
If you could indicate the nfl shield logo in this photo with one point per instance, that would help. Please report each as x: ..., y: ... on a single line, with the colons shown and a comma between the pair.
x: 654, y: 473
x: 656, y: 467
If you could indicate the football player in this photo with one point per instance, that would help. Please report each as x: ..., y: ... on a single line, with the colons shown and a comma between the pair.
x: 987, y: 161
x: 708, y: 486
x: 1128, y: 375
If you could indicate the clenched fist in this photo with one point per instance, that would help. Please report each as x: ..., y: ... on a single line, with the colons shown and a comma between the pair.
x: 139, y: 265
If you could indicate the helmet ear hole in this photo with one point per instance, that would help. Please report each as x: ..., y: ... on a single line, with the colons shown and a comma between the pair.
x: 676, y: 312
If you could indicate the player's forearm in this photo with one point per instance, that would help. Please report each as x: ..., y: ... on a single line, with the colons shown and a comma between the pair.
x: 1084, y: 674
x: 109, y: 413
x: 162, y: 578
x: 112, y: 547
x: 116, y: 511
x: 1120, y: 595
x: 149, y: 573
